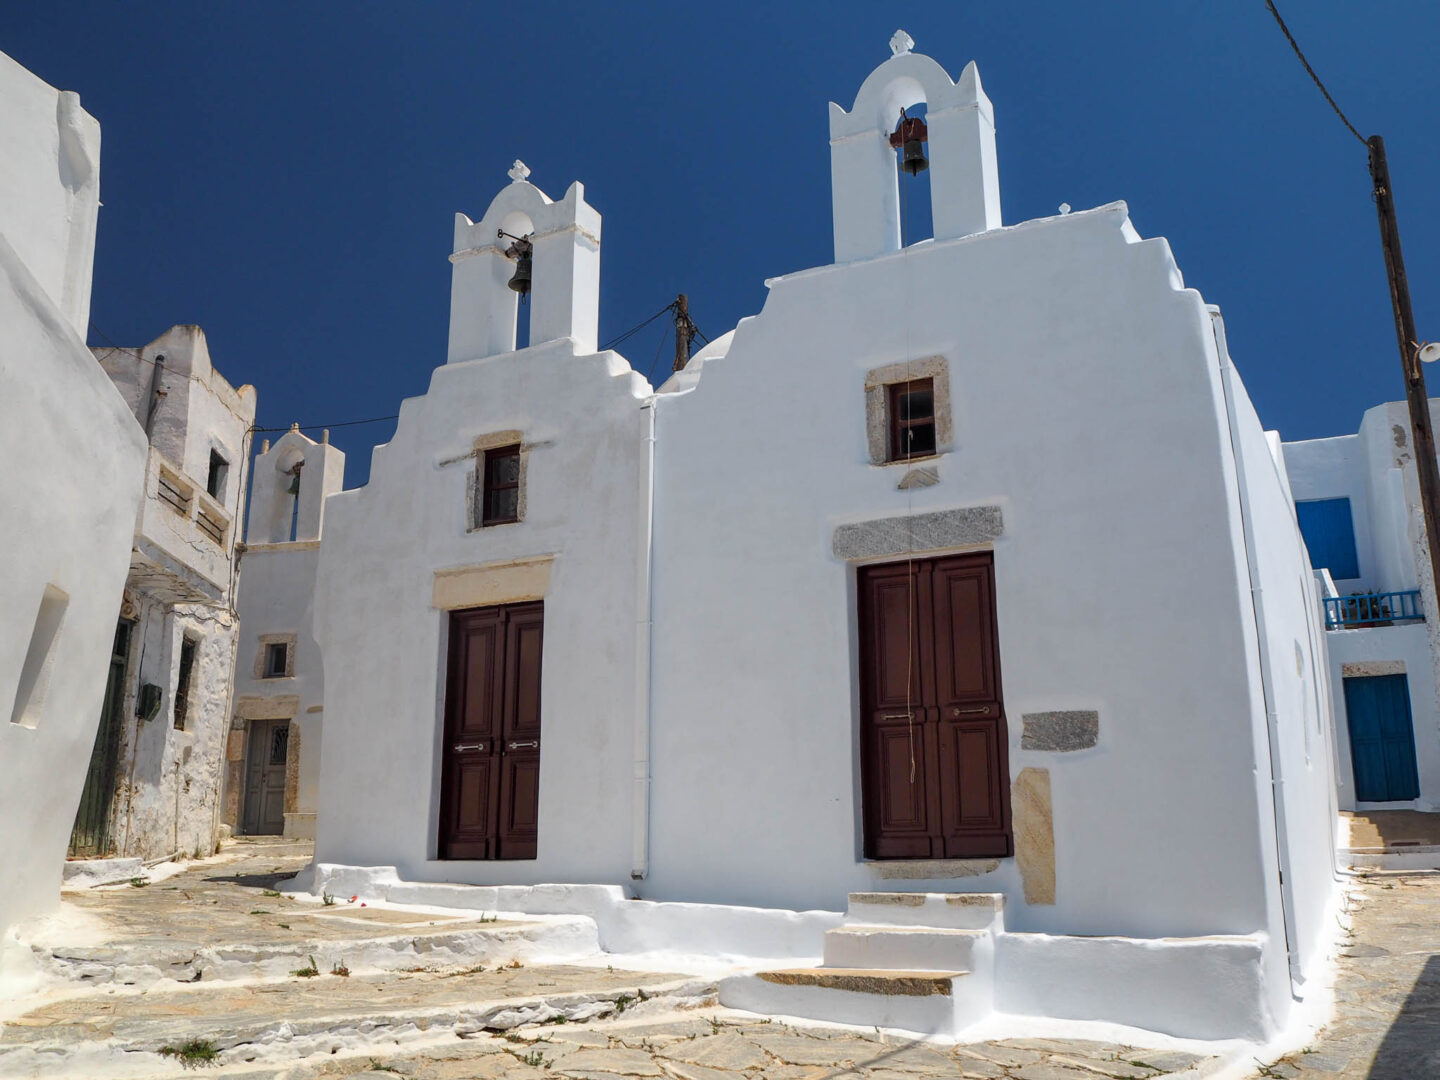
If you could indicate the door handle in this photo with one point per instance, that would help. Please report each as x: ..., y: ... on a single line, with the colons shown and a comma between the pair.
x: 983, y: 710
x: 533, y: 744
x: 461, y: 747
x: 898, y: 716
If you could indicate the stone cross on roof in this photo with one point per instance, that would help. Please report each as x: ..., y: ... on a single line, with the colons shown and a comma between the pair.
x: 901, y: 43
x: 519, y: 171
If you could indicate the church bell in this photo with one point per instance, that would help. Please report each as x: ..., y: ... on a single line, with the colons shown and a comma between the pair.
x: 909, y: 138
x: 294, y: 488
x: 522, y: 251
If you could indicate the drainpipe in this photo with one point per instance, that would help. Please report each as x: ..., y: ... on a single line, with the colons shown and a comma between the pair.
x: 1272, y: 718
x: 640, y: 809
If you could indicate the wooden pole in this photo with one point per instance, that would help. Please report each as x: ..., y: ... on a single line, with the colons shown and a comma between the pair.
x: 1423, y: 437
x: 684, y: 331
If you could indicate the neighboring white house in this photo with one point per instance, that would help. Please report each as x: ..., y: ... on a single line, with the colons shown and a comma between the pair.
x: 1358, y: 498
x: 74, y: 463
x: 153, y: 787
x: 776, y: 598
x: 273, y: 759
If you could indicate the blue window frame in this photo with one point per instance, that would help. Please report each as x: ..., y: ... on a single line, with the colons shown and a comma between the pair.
x: 1329, y: 531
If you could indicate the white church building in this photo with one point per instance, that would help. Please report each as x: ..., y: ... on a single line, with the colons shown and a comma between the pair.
x: 961, y: 585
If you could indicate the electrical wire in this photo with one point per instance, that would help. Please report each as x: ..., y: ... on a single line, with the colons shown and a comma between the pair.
x: 1311, y: 72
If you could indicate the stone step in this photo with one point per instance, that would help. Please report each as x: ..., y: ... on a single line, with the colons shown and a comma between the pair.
x: 924, y: 1002
x: 947, y: 911
x: 919, y: 948
x: 298, y: 1019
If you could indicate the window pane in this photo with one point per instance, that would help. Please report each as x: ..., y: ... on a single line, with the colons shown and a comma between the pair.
x: 917, y: 404
x: 504, y: 505
x: 504, y: 469
x: 919, y: 439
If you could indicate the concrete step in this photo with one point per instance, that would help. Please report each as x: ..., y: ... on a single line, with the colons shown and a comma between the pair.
x: 948, y: 911
x: 924, y: 1002
x: 917, y: 948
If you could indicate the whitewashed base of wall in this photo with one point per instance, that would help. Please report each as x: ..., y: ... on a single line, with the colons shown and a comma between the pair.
x: 928, y: 963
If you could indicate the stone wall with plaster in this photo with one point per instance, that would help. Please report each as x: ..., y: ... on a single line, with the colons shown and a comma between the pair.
x: 74, y: 465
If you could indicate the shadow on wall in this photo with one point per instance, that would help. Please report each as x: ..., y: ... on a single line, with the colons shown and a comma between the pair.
x: 1411, y: 1048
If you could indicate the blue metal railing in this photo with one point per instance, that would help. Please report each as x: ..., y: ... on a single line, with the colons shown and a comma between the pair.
x: 1372, y: 609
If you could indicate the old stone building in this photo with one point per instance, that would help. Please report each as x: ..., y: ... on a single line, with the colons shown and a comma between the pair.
x: 154, y: 783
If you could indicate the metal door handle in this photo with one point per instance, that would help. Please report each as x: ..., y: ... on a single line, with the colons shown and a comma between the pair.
x: 533, y: 744
x: 983, y: 710
x: 897, y: 716
x: 469, y: 746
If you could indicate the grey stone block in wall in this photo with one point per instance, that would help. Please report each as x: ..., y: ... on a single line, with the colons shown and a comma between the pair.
x: 1059, y: 731
x: 917, y: 532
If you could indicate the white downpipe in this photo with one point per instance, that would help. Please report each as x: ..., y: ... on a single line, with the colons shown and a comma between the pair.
x: 1272, y: 718
x: 640, y: 810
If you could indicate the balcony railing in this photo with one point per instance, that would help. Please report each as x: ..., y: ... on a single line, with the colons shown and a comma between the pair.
x: 1372, y: 609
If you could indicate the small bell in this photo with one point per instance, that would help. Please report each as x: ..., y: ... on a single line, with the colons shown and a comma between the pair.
x: 909, y: 137
x: 294, y: 488
x: 522, y: 251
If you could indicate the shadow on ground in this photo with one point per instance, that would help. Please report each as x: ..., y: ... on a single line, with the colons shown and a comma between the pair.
x: 1411, y: 1047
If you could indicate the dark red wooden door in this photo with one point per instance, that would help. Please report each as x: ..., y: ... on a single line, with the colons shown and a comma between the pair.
x: 490, y: 788
x: 934, y: 763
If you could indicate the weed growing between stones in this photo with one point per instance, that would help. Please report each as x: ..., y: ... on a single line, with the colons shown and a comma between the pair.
x: 192, y: 1054
x: 327, y: 899
x: 271, y: 892
x: 307, y: 972
x: 536, y: 1058
x: 622, y: 1003
x: 139, y: 882
x: 377, y: 1066
x: 338, y: 969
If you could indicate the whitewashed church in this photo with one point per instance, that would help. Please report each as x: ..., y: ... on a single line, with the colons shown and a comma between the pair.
x: 959, y: 588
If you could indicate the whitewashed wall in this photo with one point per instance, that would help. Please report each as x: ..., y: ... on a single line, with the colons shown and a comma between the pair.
x: 276, y: 597
x: 74, y: 462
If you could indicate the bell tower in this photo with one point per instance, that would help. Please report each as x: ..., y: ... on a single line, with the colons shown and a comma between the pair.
x: 964, y: 180
x: 288, y: 488
x: 564, y: 258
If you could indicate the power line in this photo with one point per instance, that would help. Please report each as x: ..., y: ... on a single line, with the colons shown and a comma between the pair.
x: 628, y: 334
x: 1311, y: 71
x: 337, y: 423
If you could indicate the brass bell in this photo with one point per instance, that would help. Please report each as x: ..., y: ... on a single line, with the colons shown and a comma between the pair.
x: 523, y: 252
x: 294, y: 488
x: 909, y: 137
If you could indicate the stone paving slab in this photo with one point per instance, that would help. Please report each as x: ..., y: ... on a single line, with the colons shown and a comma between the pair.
x: 719, y: 1046
x: 1387, y: 1014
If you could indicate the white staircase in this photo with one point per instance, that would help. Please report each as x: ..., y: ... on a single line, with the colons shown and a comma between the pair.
x: 922, y: 962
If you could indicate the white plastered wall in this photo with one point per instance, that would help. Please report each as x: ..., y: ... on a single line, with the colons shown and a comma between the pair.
x: 384, y: 639
x: 74, y: 462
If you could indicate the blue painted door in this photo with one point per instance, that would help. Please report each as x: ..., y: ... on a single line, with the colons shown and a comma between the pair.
x: 1382, y: 738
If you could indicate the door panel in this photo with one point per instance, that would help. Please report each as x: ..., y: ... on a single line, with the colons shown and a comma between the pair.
x: 491, y: 753
x: 934, y: 766
x: 1382, y: 738
x: 265, y: 759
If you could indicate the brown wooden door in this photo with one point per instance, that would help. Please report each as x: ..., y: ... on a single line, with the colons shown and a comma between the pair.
x: 934, y: 766
x: 490, y: 789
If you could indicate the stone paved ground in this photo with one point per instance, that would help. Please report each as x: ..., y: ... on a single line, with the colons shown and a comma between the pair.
x: 1387, y: 1013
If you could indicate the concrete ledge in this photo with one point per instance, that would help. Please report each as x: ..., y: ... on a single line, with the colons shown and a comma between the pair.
x: 87, y: 873
x: 863, y: 981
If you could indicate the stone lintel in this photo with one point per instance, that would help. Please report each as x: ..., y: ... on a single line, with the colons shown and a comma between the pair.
x: 1365, y: 668
x: 910, y: 533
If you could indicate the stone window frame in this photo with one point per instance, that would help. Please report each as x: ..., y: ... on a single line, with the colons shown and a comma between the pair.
x: 475, y: 479
x: 265, y: 641
x: 878, y: 382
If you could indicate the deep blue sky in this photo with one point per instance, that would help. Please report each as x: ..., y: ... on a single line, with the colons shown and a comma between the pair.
x: 286, y: 175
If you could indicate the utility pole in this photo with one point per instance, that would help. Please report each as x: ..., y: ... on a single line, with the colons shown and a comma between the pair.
x: 685, y: 333
x: 1423, y: 437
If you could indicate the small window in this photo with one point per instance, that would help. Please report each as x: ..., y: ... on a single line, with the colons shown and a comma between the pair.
x: 502, y: 486
x: 277, y: 659
x: 215, y: 482
x: 188, y: 649
x: 912, y: 419
x: 1329, y: 531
